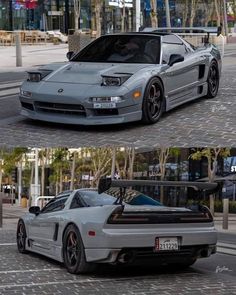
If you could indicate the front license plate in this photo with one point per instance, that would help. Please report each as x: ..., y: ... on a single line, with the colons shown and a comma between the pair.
x: 166, y: 244
x: 104, y: 105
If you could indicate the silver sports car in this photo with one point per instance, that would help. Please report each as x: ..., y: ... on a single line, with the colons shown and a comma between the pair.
x: 118, y: 225
x: 122, y: 78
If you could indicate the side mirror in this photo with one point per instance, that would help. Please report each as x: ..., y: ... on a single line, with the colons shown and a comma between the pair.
x: 219, y: 31
x: 174, y: 58
x: 70, y: 54
x: 34, y: 210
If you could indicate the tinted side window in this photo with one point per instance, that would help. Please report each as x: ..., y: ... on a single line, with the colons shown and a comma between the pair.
x: 55, y: 205
x: 77, y: 202
x: 168, y: 49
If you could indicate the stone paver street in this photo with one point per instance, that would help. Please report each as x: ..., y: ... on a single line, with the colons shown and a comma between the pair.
x: 35, y: 274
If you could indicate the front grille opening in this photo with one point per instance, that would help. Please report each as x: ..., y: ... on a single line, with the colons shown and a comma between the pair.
x: 106, y: 112
x: 60, y: 108
x: 28, y: 106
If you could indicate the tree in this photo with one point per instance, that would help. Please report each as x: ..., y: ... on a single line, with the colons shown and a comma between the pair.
x: 208, y: 11
x: 217, y: 9
x: 125, y: 162
x: 76, y: 14
x: 59, y: 165
x: 168, y: 22
x: 193, y: 10
x: 154, y: 19
x: 96, y: 162
x: 212, y: 155
x: 163, y: 154
x: 43, y: 158
x: 72, y: 171
x: 98, y: 8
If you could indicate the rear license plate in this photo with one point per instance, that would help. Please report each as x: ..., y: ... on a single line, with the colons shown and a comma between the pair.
x: 166, y: 244
x: 104, y: 105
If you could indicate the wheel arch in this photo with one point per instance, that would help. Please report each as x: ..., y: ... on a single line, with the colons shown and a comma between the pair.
x: 67, y: 225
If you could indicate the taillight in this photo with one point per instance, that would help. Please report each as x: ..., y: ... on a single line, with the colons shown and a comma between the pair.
x: 119, y: 216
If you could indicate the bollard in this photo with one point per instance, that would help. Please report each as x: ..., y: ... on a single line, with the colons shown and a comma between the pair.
x: 18, y: 50
x: 225, y: 213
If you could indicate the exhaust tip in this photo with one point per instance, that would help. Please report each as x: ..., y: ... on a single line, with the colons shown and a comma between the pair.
x: 126, y: 257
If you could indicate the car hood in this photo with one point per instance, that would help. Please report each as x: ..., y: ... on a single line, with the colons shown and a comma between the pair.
x: 91, y: 73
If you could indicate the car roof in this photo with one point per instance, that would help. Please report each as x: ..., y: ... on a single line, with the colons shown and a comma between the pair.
x: 141, y: 33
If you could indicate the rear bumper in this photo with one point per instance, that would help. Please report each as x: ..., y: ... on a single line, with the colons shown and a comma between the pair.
x: 141, y: 255
x: 114, y: 241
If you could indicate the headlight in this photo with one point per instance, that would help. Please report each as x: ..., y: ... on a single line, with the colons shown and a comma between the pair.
x: 25, y: 93
x: 38, y: 76
x: 114, y: 81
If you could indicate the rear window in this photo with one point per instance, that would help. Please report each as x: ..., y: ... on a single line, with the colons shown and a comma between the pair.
x: 132, y: 197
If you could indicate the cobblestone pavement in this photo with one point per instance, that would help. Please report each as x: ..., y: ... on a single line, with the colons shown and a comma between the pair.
x: 200, y: 123
x: 35, y: 274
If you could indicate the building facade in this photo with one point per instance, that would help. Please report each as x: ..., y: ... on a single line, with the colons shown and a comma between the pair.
x: 115, y: 14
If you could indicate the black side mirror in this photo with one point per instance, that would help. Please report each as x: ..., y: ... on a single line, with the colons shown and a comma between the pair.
x: 219, y: 30
x: 174, y: 58
x: 34, y: 210
x: 70, y: 54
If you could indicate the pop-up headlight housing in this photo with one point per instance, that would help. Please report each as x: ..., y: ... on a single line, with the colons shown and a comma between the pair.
x: 37, y: 76
x: 115, y: 80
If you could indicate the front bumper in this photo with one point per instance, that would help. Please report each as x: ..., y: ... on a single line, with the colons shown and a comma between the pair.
x: 74, y: 105
x: 129, y: 114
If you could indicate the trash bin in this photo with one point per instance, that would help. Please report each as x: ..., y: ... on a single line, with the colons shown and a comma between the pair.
x: 24, y: 202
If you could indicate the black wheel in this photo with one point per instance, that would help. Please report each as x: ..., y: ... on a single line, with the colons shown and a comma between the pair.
x: 73, y: 252
x: 21, y: 237
x: 153, y: 102
x: 213, y: 80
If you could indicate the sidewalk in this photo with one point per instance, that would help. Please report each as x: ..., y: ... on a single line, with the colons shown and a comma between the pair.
x: 32, y: 56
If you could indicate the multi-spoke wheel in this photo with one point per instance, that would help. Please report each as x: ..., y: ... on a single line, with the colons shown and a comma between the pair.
x: 21, y: 237
x: 153, y: 101
x: 213, y: 80
x: 73, y: 252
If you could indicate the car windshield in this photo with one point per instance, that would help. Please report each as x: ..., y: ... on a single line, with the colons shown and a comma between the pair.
x: 122, y: 49
x: 132, y: 197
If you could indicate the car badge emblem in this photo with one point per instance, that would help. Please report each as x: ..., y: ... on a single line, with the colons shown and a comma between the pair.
x: 60, y: 90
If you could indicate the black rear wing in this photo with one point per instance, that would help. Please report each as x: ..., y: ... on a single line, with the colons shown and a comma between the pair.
x: 106, y: 183
x: 187, y: 30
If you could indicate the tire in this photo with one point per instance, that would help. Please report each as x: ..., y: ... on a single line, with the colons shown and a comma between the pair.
x: 213, y: 80
x: 21, y: 237
x: 153, y: 101
x: 73, y: 252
